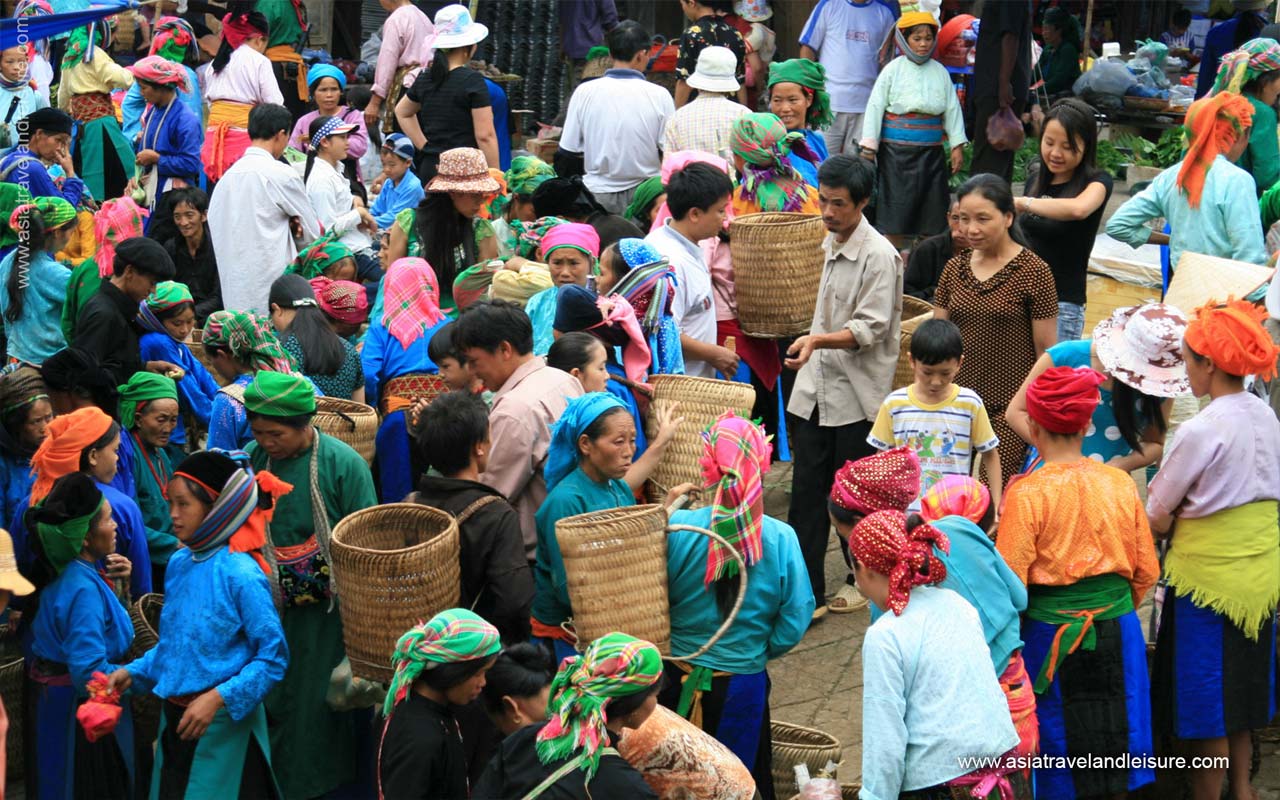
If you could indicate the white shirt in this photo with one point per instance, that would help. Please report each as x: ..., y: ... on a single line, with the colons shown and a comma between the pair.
x: 694, y: 307
x: 249, y: 227
x: 616, y: 122
x: 929, y: 696
x: 848, y: 38
x: 41, y: 71
x: 247, y: 78
x: 330, y: 196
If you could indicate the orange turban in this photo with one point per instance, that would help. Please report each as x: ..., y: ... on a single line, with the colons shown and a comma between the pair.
x: 1231, y: 334
x: 1213, y: 125
x: 59, y: 453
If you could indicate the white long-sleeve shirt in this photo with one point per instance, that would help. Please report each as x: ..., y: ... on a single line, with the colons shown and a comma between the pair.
x: 247, y: 78
x: 330, y: 196
x: 249, y: 227
x: 905, y: 87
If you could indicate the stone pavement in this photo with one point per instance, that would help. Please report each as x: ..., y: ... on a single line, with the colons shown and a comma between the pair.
x: 819, y: 683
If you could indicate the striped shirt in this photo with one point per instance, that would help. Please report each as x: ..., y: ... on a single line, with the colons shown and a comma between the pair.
x: 944, y: 435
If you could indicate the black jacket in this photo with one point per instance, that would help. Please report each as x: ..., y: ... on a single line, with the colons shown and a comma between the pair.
x: 924, y: 267
x: 495, y: 572
x: 106, y: 329
x: 515, y: 771
x: 198, y: 272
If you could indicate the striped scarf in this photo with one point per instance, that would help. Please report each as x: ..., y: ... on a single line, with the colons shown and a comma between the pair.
x: 737, y: 452
x: 768, y: 179
x: 235, y: 518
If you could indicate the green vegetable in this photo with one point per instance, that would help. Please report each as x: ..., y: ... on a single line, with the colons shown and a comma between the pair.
x: 1168, y: 150
x: 1112, y: 160
x: 1143, y: 150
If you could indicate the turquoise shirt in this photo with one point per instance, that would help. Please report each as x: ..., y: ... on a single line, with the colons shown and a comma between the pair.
x: 36, y: 334
x: 1227, y: 224
x: 576, y: 494
x: 541, y: 309
x: 776, y: 610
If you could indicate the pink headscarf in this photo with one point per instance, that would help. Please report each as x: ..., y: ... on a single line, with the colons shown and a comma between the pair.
x: 345, y: 301
x: 677, y: 161
x: 577, y: 235
x: 411, y: 303
x: 115, y: 221
x: 155, y: 69
x: 635, y: 353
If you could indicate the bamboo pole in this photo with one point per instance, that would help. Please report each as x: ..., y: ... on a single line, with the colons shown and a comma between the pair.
x: 1088, y: 31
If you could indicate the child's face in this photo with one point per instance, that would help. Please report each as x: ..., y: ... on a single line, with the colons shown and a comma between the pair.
x: 594, y: 375
x: 394, y: 165
x: 921, y: 40
x: 455, y: 374
x: 708, y: 223
x: 933, y: 381
x: 13, y: 63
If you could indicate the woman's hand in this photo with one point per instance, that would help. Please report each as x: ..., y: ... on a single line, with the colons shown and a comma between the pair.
x: 147, y: 157
x: 195, y: 720
x: 676, y: 492
x: 668, y: 425
x: 119, y: 681
x: 119, y: 568
x: 957, y: 158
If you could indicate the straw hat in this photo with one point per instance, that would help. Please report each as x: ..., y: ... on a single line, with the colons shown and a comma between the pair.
x: 463, y: 170
x: 455, y: 28
x: 1198, y: 278
x: 10, y: 579
x: 1141, y: 346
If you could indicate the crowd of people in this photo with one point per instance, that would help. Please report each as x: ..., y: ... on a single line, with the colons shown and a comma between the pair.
x: 206, y: 243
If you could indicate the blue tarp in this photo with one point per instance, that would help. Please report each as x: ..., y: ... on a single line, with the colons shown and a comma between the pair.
x: 14, y: 32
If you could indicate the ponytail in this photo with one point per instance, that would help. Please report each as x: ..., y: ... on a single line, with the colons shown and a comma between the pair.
x: 32, y: 237
x: 312, y: 130
x: 311, y: 162
x: 439, y: 69
x: 223, y: 56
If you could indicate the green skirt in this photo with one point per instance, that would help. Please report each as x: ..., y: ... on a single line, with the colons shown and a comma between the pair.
x: 105, y: 158
x: 216, y: 769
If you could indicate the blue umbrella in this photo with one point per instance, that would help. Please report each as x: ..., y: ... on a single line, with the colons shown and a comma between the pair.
x: 14, y: 32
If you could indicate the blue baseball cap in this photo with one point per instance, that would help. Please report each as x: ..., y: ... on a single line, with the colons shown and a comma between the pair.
x: 399, y: 144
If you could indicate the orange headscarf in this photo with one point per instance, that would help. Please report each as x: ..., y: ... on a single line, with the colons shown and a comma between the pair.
x: 1213, y: 126
x: 59, y: 453
x: 1231, y: 334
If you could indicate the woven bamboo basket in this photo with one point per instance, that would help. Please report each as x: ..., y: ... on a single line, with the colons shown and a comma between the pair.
x: 12, y: 670
x: 195, y: 344
x: 622, y: 553
x: 351, y: 422
x: 394, y: 566
x: 145, y: 614
x: 914, y: 312
x: 848, y: 791
x: 702, y: 401
x: 777, y: 266
x: 796, y: 744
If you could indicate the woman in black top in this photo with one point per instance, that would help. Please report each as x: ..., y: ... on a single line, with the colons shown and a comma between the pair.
x: 448, y: 105
x: 708, y: 27
x: 1063, y: 206
x: 192, y: 251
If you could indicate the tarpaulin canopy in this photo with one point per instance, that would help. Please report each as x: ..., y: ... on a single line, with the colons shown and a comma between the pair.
x: 16, y: 31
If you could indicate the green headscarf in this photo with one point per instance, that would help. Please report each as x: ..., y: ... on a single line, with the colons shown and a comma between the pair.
x: 526, y: 174
x: 63, y: 522
x: 168, y: 294
x: 447, y: 638
x: 249, y: 339
x: 12, y: 195
x: 812, y: 76
x: 54, y: 211
x: 141, y: 388
x: 1253, y: 58
x: 78, y: 48
x: 322, y: 254
x: 643, y: 199
x: 275, y: 394
x: 768, y: 179
x: 615, y: 665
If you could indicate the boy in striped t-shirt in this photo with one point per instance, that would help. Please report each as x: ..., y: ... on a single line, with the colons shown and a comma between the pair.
x: 943, y: 423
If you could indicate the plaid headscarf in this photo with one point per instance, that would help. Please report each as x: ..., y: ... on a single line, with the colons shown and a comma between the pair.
x: 768, y: 179
x: 736, y: 453
x: 811, y: 77
x: 411, y: 300
x: 143, y: 387
x: 562, y: 453
x: 322, y: 254
x: 345, y: 301
x: 1213, y: 125
x: 529, y: 235
x: 12, y: 196
x: 280, y: 394
x: 447, y: 638
x: 173, y: 39
x: 249, y: 339
x: 615, y: 665
x: 115, y: 221
x: 882, y: 543
x: 55, y: 212
x: 955, y: 496
x: 167, y: 295
x: 156, y: 69
x: 1242, y: 65
x: 526, y: 174
x: 1231, y: 334
x: 59, y: 454
x: 886, y: 480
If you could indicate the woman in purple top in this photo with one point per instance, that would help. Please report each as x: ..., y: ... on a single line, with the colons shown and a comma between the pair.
x: 328, y: 86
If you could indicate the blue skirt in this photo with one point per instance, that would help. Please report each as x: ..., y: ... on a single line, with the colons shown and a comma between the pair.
x: 1099, y: 704
x: 61, y: 762
x: 393, y: 460
x: 1209, y: 680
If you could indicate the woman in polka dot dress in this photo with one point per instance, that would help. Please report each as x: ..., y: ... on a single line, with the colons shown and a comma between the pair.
x: 1002, y: 297
x: 1139, y: 350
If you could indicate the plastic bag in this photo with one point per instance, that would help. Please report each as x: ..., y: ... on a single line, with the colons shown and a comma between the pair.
x: 99, y: 714
x: 1155, y: 52
x: 1004, y: 130
x: 1105, y: 78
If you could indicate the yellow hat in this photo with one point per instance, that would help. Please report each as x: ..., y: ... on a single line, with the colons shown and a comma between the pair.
x: 910, y: 19
x: 10, y: 579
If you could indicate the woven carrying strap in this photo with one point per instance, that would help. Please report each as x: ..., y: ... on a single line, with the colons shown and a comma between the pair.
x: 572, y: 765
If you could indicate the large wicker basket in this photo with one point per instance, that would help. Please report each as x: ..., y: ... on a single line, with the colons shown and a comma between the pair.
x: 12, y: 671
x: 914, y: 312
x: 777, y: 266
x: 195, y: 343
x: 796, y: 744
x: 702, y: 401
x: 352, y: 422
x: 615, y: 562
x: 394, y: 566
x: 145, y: 614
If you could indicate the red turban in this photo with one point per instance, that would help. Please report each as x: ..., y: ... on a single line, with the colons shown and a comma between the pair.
x: 1062, y: 399
x: 887, y: 480
x: 882, y: 543
x: 1231, y: 334
x: 240, y: 28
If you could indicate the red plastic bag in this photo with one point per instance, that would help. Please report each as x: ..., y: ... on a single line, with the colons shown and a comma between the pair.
x: 1004, y: 130
x: 100, y: 713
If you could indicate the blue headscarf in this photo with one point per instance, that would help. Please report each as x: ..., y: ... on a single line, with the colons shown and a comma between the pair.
x: 317, y: 71
x: 638, y: 252
x: 562, y: 454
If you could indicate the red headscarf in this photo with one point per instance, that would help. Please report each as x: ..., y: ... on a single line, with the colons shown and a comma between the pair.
x: 239, y: 29
x: 888, y: 480
x: 883, y: 543
x: 1231, y: 334
x: 59, y: 453
x: 1062, y: 399
x: 1213, y: 125
x: 345, y: 301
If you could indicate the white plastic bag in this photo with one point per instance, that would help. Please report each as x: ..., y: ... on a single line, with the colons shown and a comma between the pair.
x: 1105, y: 78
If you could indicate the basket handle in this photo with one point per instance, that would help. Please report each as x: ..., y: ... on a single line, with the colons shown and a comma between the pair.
x: 344, y: 416
x: 737, y: 603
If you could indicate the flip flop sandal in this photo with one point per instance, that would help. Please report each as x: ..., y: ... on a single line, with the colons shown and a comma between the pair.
x: 847, y: 600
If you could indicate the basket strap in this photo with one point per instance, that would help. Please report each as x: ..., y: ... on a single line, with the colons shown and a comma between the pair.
x: 737, y: 603
x: 572, y: 765
x: 469, y: 511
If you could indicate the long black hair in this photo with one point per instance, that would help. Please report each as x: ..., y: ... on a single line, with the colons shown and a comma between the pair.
x: 1076, y: 118
x: 442, y: 230
x: 33, y: 236
x: 322, y: 350
x: 439, y: 70
x: 1134, y: 411
x: 312, y: 130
